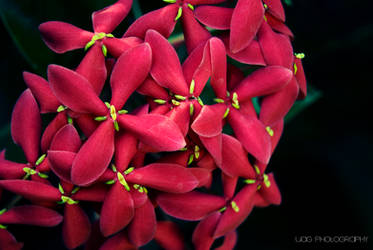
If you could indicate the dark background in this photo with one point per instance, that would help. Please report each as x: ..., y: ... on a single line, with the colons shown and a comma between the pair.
x: 323, y: 162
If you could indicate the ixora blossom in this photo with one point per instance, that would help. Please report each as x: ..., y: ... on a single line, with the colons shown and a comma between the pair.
x: 139, y: 137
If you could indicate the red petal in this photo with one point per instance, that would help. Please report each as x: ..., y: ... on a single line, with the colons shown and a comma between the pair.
x: 252, y: 134
x: 76, y: 226
x: 263, y: 81
x: 60, y: 162
x: 139, y: 198
x: 276, y: 48
x: 95, y: 193
x: 170, y: 178
x: 151, y: 88
x: 94, y: 156
x: 87, y: 124
x: 252, y: 54
x: 202, y: 235
x: 230, y: 241
x: 8, y: 242
x: 56, y: 124
x: 194, y: 33
x: 166, y: 68
x: 207, y: 162
x: 61, y: 37
x: 229, y: 185
x: 161, y: 20
x: 118, y: 242
x: 209, y: 122
x: 301, y: 79
x: 190, y: 206
x: 26, y: 125
x: 143, y: 226
x: 215, y: 17
x: 135, y: 65
x: 117, y: 210
x: 196, y: 2
x: 106, y: 19
x: 157, y: 131
x: 276, y: 9
x: 117, y: 46
x: 274, y: 107
x: 203, y: 175
x: 66, y: 139
x: 181, y: 116
x: 277, y: 132
x: 11, y: 170
x: 235, y: 161
x: 168, y: 236
x: 243, y: 26
x: 31, y: 215
x: 231, y: 219
x: 32, y: 190
x: 93, y: 68
x: 278, y: 25
x: 74, y: 91
x: 218, y: 67
x: 42, y: 92
x: 125, y: 150
x: 214, y: 147
x: 271, y: 194
x: 235, y: 76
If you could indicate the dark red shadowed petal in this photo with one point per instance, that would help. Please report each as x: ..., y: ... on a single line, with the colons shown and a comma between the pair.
x: 93, y: 68
x: 94, y: 156
x: 61, y: 37
x: 96, y: 192
x: 218, y: 67
x: 203, y: 175
x: 95, y: 239
x: 118, y: 242
x: 215, y: 17
x: 263, y: 81
x: 229, y: 185
x: 276, y: 9
x: 194, y: 33
x: 279, y: 26
x: 60, y: 162
x: 301, y: 78
x: 181, y: 116
x: 32, y: 190
x: 117, y: 210
x: 40, y: 89
x: 231, y: 219
x: 235, y: 76
x: 134, y: 64
x: 117, y: 46
x: 8, y: 242
x: 235, y: 161
x: 252, y: 135
x: 143, y: 225
x: 125, y: 150
x: 26, y: 125
x: 56, y: 124
x: 66, y: 139
x: 74, y: 91
x: 166, y: 177
x: 190, y: 206
x: 243, y: 26
x: 157, y: 131
x: 274, y: 107
x: 276, y: 48
x: 209, y: 122
x: 11, y: 170
x: 252, y: 54
x: 168, y: 236
x: 202, y: 235
x: 272, y: 193
x: 213, y: 146
x: 230, y: 241
x: 161, y: 20
x: 31, y: 215
x: 151, y: 88
x: 207, y: 162
x: 76, y: 226
x: 106, y: 19
x: 87, y: 124
x: 166, y: 69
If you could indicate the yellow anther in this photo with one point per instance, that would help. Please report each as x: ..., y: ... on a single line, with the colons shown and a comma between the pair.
x: 270, y: 131
x: 123, y: 181
x: 235, y: 207
x: 68, y: 200
x: 191, y: 87
x: 266, y: 181
x: 174, y: 102
x: 113, y: 112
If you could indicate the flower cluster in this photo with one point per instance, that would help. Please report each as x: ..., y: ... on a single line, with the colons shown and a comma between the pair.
x: 165, y: 154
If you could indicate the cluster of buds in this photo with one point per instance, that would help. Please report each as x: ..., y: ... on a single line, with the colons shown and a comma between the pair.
x: 167, y: 153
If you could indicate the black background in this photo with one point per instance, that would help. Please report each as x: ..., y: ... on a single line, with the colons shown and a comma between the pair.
x: 323, y: 162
